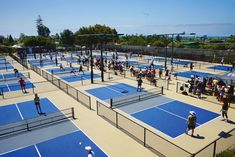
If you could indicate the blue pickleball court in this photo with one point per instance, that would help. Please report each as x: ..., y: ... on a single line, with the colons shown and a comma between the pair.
x: 78, y: 77
x: 221, y: 67
x: 170, y: 117
x: 24, y: 110
x: 190, y: 74
x: 71, y: 144
x: 112, y: 91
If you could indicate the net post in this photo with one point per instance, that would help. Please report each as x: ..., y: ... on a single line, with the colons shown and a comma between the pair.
x: 111, y: 102
x: 214, y: 151
x: 116, y: 119
x: 144, y: 137
x: 27, y: 125
x: 139, y: 97
x: 162, y: 90
x: 73, y: 115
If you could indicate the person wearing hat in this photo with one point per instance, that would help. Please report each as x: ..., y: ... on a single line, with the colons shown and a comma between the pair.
x: 191, y: 122
x: 90, y: 152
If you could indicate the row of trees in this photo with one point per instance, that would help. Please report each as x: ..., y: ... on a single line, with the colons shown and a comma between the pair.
x: 67, y: 38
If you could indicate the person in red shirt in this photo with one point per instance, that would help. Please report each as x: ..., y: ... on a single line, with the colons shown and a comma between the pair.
x: 22, y: 85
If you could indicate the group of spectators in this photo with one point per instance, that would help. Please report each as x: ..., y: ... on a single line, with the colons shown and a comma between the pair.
x: 211, y: 86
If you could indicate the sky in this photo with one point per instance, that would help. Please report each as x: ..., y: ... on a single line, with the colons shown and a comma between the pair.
x: 203, y: 17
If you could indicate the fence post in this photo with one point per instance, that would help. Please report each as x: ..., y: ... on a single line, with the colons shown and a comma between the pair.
x: 214, y: 152
x: 67, y: 88
x: 111, y: 102
x: 177, y: 87
x: 97, y: 108
x: 145, y: 137
x: 116, y: 119
x: 162, y: 90
x: 77, y: 94
x: 73, y: 115
x: 29, y: 74
x: 90, y: 102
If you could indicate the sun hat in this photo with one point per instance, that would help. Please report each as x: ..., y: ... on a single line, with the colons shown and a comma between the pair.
x: 88, y: 148
x: 192, y: 113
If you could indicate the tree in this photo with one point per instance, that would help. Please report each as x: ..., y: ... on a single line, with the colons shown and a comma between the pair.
x: 99, y: 36
x: 22, y: 35
x: 67, y: 38
x: 42, y: 29
x: 39, y: 41
x: 1, y: 39
x: 10, y: 39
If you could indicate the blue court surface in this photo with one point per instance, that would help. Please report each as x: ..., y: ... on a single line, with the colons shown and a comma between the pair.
x: 4, y: 67
x: 156, y: 59
x: 190, y: 74
x: 183, y: 62
x: 70, y: 145
x: 146, y: 66
x: 170, y: 117
x: 44, y: 64
x: 58, y: 70
x: 14, y: 86
x: 10, y: 75
x: 4, y: 63
x: 24, y: 110
x: 221, y: 67
x: 112, y: 91
x: 78, y: 77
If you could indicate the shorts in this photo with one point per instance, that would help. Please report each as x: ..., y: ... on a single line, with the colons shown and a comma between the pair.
x: 191, y: 127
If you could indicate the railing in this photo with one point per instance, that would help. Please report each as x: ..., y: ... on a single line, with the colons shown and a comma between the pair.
x: 23, y: 62
x: 162, y: 146
x: 147, y: 137
x: 36, y: 122
x: 73, y: 92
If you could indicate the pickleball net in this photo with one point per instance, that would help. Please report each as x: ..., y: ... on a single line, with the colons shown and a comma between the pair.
x: 133, y: 98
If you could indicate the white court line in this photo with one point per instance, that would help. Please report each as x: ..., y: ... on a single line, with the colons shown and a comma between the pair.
x: 19, y: 112
x: 174, y: 114
x: 37, y: 151
x: 198, y: 126
x: 79, y: 129
x: 8, y: 87
x: 114, y: 90
x: 153, y: 106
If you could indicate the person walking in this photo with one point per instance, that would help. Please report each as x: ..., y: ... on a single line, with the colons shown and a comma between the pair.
x: 37, y: 104
x: 191, y: 122
x: 222, y: 61
x: 22, y: 85
x: 90, y: 152
x: 81, y: 69
x: 191, y: 66
x: 16, y: 72
x: 139, y: 84
x: 224, y: 109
